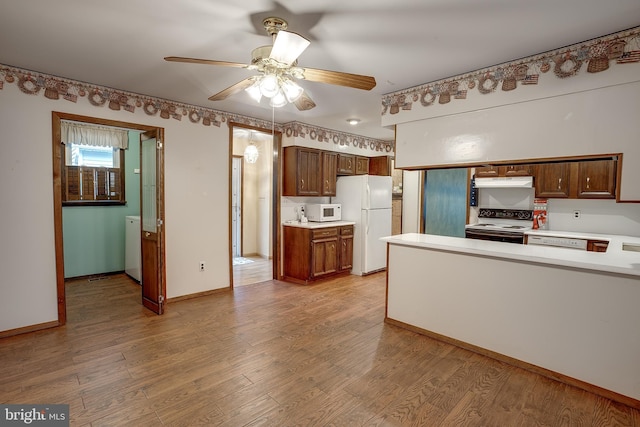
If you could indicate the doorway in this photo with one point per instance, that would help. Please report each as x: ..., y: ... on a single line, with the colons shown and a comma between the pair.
x: 253, y: 205
x: 154, y: 287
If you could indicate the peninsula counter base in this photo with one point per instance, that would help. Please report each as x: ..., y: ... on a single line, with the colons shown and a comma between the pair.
x: 575, y: 326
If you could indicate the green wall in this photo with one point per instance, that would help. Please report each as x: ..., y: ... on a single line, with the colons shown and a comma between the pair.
x: 445, y: 201
x: 94, y: 236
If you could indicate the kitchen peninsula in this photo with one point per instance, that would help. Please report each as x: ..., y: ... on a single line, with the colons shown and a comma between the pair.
x: 567, y: 314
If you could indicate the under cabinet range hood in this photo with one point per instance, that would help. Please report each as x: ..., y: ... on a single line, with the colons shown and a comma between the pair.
x: 505, y: 182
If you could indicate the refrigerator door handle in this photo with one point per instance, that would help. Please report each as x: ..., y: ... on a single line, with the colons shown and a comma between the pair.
x: 368, y: 222
x: 368, y: 199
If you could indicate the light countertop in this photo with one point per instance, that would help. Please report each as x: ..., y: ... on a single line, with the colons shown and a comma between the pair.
x: 317, y: 224
x: 614, y: 260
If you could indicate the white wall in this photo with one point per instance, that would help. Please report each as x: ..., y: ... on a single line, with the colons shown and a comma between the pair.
x: 196, y: 204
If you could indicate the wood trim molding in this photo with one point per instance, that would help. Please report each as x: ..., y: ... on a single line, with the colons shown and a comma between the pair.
x: 608, y: 394
x: 198, y: 295
x: 27, y: 329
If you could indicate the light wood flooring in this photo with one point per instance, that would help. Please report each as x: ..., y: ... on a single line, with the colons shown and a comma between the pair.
x: 273, y: 354
x: 259, y: 270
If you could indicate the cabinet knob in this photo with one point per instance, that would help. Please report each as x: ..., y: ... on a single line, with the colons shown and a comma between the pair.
x: 302, y: 183
x: 588, y: 179
x: 559, y: 183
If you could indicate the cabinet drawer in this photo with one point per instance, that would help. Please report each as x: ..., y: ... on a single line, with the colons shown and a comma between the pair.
x: 324, y: 232
x: 346, y: 230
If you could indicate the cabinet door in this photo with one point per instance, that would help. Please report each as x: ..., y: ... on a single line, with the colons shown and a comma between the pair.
x: 362, y: 165
x: 324, y: 256
x: 487, y: 171
x: 518, y: 170
x: 346, y: 164
x: 552, y: 180
x: 346, y: 253
x: 380, y: 165
x: 329, y: 173
x: 597, y: 179
x: 308, y: 171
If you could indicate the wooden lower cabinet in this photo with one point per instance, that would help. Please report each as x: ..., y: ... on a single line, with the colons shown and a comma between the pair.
x: 312, y: 254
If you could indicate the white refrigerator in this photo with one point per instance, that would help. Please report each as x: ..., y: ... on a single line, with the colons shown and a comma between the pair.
x: 366, y: 200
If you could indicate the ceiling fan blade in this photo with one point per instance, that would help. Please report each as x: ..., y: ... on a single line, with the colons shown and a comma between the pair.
x: 288, y: 46
x: 231, y: 90
x: 356, y: 81
x: 204, y: 61
x: 304, y: 103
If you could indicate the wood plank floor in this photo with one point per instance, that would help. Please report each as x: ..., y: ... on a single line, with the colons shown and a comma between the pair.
x: 259, y: 270
x: 273, y: 354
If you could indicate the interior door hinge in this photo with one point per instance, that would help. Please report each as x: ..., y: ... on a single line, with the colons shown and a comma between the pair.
x: 158, y: 144
x: 161, y: 299
x: 159, y: 222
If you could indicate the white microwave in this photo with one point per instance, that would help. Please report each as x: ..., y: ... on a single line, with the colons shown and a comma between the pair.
x: 322, y: 212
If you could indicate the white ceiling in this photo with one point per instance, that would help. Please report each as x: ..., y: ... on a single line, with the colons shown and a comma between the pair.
x: 402, y: 43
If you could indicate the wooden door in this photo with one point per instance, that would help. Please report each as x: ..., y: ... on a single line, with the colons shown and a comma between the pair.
x: 487, y: 171
x: 362, y: 165
x: 552, y: 180
x: 324, y: 256
x: 309, y: 173
x: 518, y: 170
x: 329, y: 173
x: 151, y: 221
x: 346, y: 249
x: 597, y: 179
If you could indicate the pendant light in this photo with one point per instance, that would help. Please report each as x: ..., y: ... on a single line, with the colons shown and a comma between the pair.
x: 251, y: 152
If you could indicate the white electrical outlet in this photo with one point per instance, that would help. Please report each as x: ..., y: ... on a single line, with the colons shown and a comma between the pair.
x: 576, y: 214
x: 201, y: 265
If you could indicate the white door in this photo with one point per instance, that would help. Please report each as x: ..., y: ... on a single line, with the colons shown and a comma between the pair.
x: 236, y: 207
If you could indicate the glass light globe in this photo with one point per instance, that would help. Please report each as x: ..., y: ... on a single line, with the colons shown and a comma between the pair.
x: 251, y: 153
x: 278, y: 100
x: 269, y: 85
x: 254, y: 91
x: 291, y: 90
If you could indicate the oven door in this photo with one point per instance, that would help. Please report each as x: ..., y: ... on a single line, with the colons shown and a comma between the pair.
x: 494, y: 235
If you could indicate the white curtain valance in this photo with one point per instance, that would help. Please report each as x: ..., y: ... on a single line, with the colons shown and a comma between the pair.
x: 100, y: 136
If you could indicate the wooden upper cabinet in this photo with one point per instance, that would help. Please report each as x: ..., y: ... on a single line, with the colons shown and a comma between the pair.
x: 504, y: 170
x: 518, y: 170
x: 329, y: 173
x: 584, y: 179
x: 552, y: 180
x: 487, y: 171
x: 302, y: 172
x: 380, y: 165
x: 346, y: 164
x: 362, y: 165
x: 597, y: 179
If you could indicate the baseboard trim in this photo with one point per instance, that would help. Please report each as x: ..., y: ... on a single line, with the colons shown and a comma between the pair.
x: 30, y: 328
x: 591, y: 388
x: 197, y: 295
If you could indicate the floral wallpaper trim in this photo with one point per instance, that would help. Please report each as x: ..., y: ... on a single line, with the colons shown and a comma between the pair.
x: 597, y: 54
x: 57, y: 88
x: 301, y: 130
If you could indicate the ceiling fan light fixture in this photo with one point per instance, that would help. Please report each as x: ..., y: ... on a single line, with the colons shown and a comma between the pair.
x: 278, y: 100
x: 269, y: 85
x: 291, y: 90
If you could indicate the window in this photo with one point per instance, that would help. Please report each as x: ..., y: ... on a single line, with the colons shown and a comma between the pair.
x: 93, y: 172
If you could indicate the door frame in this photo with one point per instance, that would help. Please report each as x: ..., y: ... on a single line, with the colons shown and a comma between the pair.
x: 275, y: 194
x: 58, y: 156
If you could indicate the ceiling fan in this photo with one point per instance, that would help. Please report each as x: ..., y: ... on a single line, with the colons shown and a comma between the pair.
x: 278, y: 70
